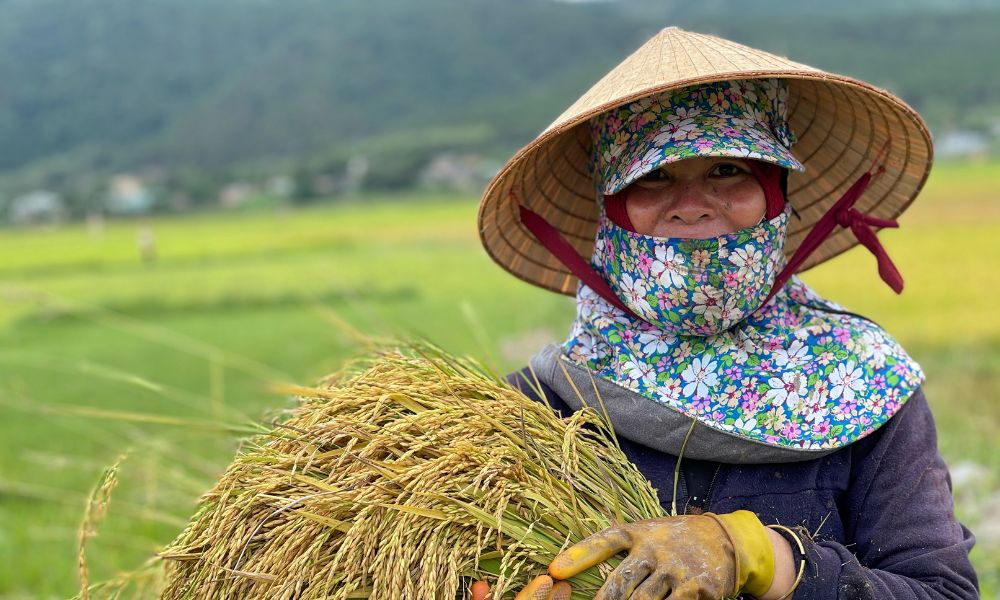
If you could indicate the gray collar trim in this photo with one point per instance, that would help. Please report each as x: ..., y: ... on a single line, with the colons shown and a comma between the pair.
x: 645, y: 422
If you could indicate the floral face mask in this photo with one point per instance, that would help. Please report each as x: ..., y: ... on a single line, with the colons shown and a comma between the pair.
x: 688, y: 286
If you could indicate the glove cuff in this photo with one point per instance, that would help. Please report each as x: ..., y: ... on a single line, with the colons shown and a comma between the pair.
x: 754, y: 555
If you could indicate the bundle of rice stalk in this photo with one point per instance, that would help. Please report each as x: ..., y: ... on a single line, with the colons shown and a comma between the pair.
x: 405, y: 477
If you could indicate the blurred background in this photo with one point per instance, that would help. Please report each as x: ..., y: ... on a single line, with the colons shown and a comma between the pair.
x: 201, y: 199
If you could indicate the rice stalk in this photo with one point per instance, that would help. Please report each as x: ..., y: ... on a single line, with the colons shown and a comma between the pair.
x: 95, y: 509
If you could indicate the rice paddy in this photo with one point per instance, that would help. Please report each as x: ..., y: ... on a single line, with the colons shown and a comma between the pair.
x: 174, y: 361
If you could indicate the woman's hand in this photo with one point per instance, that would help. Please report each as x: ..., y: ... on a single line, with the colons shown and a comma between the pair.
x: 687, y: 557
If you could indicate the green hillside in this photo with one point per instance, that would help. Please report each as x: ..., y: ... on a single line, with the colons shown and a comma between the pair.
x: 94, y: 87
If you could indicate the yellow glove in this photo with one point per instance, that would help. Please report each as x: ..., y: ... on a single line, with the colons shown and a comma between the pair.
x: 687, y: 557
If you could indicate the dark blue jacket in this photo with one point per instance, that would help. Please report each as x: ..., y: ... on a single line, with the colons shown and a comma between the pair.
x: 879, y: 511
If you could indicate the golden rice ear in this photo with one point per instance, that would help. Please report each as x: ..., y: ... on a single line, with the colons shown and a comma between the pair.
x: 606, y: 423
x: 841, y: 124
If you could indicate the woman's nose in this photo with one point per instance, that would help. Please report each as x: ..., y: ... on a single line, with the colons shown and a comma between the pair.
x: 690, y: 205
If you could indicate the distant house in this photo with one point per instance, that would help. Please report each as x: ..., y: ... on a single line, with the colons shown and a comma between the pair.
x: 961, y: 143
x: 38, y: 207
x: 462, y: 172
x: 281, y: 186
x: 994, y: 127
x: 354, y: 173
x: 236, y: 194
x: 128, y: 195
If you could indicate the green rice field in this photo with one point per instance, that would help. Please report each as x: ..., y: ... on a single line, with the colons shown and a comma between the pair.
x: 170, y: 361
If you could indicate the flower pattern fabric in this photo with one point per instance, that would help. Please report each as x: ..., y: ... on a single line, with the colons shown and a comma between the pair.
x: 799, y: 372
x: 689, y: 286
x: 744, y: 118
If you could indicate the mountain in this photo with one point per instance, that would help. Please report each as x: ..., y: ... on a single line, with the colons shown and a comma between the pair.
x: 93, y: 87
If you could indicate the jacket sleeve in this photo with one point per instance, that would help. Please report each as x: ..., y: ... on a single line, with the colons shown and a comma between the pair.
x: 899, y: 513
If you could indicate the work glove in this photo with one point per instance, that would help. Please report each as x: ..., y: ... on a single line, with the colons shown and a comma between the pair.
x: 689, y: 557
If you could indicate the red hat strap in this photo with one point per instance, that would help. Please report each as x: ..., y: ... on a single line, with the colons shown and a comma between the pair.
x: 614, y: 209
x: 769, y: 177
x: 844, y: 214
x: 555, y: 243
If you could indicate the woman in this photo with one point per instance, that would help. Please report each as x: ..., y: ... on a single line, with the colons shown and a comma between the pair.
x: 808, y: 461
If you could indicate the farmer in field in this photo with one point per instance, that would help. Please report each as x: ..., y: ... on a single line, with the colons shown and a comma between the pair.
x: 808, y: 463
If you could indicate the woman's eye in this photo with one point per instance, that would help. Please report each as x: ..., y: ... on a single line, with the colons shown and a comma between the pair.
x: 654, y: 176
x: 727, y: 170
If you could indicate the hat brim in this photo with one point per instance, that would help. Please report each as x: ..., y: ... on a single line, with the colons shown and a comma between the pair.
x: 843, y: 127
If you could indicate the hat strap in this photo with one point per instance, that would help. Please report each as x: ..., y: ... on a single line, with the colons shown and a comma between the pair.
x: 845, y: 215
x: 555, y: 243
x: 615, y: 210
x: 768, y: 175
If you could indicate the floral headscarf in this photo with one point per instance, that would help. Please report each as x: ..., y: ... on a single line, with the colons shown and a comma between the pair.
x: 744, y: 118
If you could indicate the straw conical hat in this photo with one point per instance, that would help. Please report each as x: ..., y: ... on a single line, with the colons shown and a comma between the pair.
x: 841, y: 123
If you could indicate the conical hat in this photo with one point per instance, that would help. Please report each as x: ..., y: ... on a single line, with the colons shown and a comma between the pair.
x: 843, y: 125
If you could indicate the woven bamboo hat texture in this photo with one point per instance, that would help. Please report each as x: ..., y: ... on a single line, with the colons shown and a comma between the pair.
x: 843, y: 126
